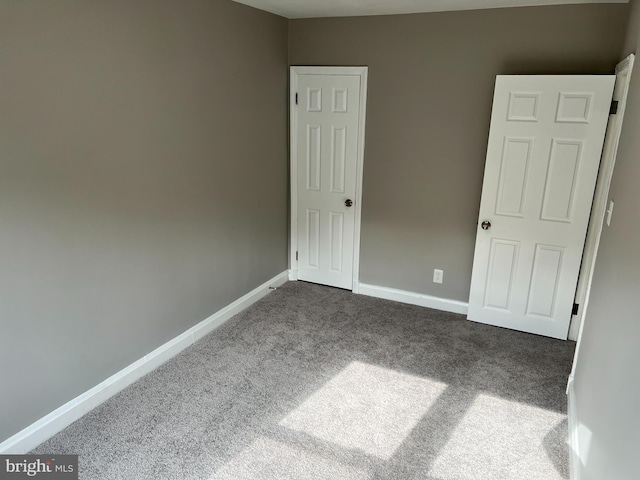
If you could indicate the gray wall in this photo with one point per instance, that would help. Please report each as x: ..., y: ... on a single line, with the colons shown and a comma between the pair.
x: 607, y: 383
x: 431, y: 80
x: 143, y: 182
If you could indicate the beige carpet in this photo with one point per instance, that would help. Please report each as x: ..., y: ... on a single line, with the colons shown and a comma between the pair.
x: 317, y: 383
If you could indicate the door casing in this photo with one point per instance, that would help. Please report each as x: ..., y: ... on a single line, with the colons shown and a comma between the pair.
x: 624, y: 70
x: 361, y: 72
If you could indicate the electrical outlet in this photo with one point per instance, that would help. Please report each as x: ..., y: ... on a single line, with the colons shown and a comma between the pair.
x: 437, y: 275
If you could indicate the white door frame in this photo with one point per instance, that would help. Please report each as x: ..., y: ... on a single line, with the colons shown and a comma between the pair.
x: 600, y: 198
x: 293, y: 116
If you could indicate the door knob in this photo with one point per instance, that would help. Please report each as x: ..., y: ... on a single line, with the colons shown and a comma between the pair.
x: 348, y: 202
x: 486, y: 225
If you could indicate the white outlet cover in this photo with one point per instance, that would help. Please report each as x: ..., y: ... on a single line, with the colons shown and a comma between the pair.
x: 437, y: 276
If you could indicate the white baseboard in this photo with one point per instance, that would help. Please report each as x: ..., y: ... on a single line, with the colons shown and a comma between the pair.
x: 574, y: 447
x: 43, y: 429
x: 293, y: 274
x: 413, y: 298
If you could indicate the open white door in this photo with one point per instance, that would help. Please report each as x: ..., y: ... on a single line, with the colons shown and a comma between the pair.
x: 327, y: 136
x: 544, y: 149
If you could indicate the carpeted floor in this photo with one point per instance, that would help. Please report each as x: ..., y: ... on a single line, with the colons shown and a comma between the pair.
x: 317, y: 383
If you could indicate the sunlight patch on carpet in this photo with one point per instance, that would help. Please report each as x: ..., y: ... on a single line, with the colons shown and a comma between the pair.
x: 499, y: 435
x: 366, y: 408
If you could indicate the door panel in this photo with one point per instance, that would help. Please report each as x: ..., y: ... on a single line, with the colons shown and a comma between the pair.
x: 561, y: 180
x: 312, y: 232
x: 327, y: 149
x: 514, y: 176
x: 547, y: 265
x: 313, y: 145
x: 543, y: 154
x: 501, y: 277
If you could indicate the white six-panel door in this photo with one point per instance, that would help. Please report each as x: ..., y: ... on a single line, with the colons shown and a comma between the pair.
x: 544, y: 149
x: 327, y: 116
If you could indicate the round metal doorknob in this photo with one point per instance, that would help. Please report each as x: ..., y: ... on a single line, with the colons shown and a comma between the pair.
x: 486, y: 225
x: 348, y: 202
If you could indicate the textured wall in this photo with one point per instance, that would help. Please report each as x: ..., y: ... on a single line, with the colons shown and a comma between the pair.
x: 143, y: 182
x: 431, y: 79
x: 607, y: 384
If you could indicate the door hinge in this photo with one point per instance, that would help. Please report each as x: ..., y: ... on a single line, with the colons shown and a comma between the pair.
x: 296, y: 99
x: 296, y: 256
x: 614, y: 107
x: 575, y: 309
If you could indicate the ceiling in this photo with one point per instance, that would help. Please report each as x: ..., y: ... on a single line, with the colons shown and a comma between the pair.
x: 350, y: 8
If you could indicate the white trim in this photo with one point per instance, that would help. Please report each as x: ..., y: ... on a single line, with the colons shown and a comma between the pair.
x: 403, y: 296
x: 294, y: 72
x: 293, y: 168
x: 43, y: 429
x: 359, y: 176
x: 601, y: 195
x: 625, y: 67
x: 574, y: 446
x: 312, y: 70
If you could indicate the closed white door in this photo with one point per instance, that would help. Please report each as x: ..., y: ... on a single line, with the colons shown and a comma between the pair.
x: 544, y: 149
x: 327, y: 133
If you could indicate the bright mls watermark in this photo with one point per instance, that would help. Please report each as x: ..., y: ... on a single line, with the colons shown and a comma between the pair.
x: 50, y: 467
